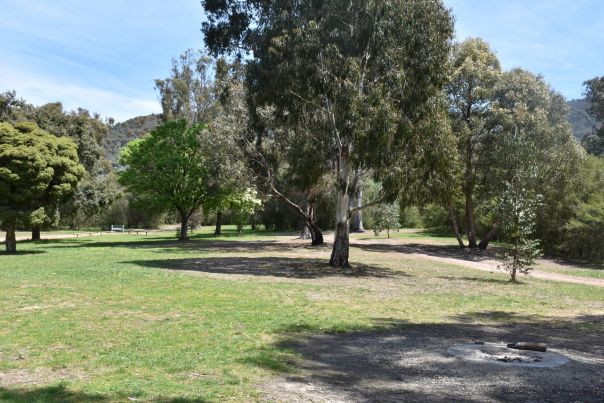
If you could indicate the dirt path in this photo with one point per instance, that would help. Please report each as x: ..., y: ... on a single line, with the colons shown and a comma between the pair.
x: 485, y: 262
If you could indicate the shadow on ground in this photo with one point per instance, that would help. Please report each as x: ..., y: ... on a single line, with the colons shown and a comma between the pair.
x: 408, y: 362
x: 445, y: 251
x: 62, y: 394
x: 199, y: 245
x: 267, y: 266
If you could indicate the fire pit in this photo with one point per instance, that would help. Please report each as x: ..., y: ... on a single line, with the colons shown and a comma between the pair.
x: 501, y: 355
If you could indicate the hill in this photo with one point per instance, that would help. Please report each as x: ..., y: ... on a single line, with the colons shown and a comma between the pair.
x: 579, y: 119
x: 124, y: 132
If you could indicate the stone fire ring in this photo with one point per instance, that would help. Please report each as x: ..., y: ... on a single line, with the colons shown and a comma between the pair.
x: 498, y: 354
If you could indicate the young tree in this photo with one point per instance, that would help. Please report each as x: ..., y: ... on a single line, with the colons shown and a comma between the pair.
x: 519, y: 201
x: 386, y: 217
x: 36, y: 169
x: 361, y: 72
x: 172, y: 166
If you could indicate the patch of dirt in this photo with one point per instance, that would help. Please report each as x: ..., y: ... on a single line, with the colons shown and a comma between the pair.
x: 411, y: 364
x: 39, y: 376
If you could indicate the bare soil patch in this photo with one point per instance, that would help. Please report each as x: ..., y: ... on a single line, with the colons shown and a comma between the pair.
x: 410, y: 363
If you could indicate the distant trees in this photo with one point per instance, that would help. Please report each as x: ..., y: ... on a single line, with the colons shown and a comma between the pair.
x: 359, y: 75
x: 37, y: 170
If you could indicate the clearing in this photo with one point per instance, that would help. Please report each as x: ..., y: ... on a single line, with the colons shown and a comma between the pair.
x: 263, y: 317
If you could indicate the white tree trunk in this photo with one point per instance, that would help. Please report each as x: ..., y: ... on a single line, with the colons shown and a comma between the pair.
x: 339, y: 254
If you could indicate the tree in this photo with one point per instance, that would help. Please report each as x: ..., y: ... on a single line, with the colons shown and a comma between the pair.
x: 594, y: 94
x: 172, y: 167
x: 476, y: 70
x: 361, y: 72
x: 189, y: 92
x: 386, y: 217
x: 519, y: 199
x: 582, y: 233
x: 36, y: 169
x: 525, y: 104
x: 243, y: 205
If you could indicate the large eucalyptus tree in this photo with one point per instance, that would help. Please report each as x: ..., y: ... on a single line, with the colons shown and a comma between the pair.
x: 362, y: 74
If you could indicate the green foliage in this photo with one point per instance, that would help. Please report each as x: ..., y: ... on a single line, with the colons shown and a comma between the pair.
x: 242, y: 206
x: 177, y: 166
x: 189, y: 92
x: 37, y: 169
x: 582, y: 234
x: 411, y: 218
x: 385, y: 217
x: 594, y: 95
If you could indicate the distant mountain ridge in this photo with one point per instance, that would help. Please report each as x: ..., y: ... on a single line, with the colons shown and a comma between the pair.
x: 124, y: 132
x: 581, y: 122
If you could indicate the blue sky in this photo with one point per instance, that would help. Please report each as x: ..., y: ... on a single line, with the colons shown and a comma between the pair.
x: 104, y: 55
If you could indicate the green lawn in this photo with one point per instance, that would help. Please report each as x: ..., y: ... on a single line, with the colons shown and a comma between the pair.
x: 146, y: 317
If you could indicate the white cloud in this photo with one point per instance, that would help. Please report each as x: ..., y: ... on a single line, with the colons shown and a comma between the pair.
x: 39, y: 90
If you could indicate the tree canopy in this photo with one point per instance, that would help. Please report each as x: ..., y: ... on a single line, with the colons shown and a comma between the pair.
x: 37, y: 169
x: 360, y: 74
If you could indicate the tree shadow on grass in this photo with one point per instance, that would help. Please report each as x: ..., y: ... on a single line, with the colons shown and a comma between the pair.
x: 402, y: 361
x: 22, y: 253
x: 49, y: 394
x: 199, y: 245
x: 444, y: 251
x: 61, y: 394
x: 284, y: 267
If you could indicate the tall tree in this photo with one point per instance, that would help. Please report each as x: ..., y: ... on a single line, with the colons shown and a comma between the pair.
x: 36, y: 169
x: 476, y: 70
x: 523, y: 103
x: 594, y: 94
x: 362, y: 71
x: 189, y: 92
x: 173, y: 167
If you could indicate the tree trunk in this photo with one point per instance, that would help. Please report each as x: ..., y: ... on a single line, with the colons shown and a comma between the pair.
x: 305, y: 233
x: 484, y: 243
x: 316, y: 235
x: 456, y: 226
x: 356, y: 221
x: 35, y: 233
x: 339, y: 254
x: 469, y: 193
x: 10, y: 240
x: 184, y: 227
x: 218, y: 230
x: 253, y: 221
x: 341, y: 244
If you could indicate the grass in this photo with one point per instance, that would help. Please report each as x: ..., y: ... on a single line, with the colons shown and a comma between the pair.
x: 146, y: 317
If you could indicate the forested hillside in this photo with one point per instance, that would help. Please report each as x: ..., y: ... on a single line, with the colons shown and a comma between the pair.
x: 581, y: 122
x: 122, y: 133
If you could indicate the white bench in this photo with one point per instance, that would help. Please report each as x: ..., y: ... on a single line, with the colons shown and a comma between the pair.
x: 117, y: 228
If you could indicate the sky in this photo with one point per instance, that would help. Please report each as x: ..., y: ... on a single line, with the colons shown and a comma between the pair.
x: 104, y: 55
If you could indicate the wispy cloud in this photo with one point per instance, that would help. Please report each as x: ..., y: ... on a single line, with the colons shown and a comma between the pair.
x: 38, y: 89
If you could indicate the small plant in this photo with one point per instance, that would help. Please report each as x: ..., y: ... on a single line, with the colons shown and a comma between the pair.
x: 519, y: 224
x: 386, y: 217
